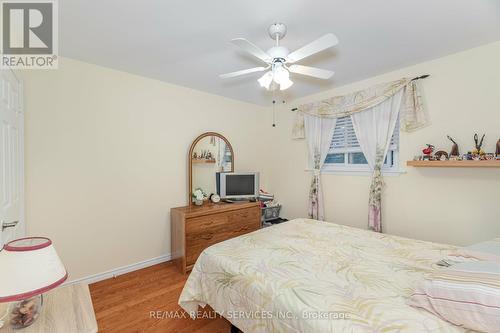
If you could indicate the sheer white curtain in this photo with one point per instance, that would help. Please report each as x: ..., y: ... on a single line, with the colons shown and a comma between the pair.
x: 318, y: 133
x: 374, y: 128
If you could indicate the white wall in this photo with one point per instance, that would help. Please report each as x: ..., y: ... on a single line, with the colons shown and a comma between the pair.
x: 459, y: 206
x: 106, y: 159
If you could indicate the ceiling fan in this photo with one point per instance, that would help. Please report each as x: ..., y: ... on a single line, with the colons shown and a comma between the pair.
x: 280, y: 62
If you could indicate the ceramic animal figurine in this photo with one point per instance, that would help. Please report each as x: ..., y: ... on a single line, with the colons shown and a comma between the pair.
x: 454, y: 148
x: 479, y: 144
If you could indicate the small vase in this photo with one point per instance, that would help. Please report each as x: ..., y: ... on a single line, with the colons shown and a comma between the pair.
x: 24, y: 313
x: 198, y: 202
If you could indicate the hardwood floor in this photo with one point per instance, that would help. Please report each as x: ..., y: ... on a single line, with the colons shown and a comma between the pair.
x: 125, y: 304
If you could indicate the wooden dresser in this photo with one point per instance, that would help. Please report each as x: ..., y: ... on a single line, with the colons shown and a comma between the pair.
x: 194, y: 228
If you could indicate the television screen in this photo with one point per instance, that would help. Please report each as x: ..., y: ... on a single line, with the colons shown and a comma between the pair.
x: 240, y: 185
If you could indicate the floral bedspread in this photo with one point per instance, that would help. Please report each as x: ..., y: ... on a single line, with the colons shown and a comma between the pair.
x: 311, y: 276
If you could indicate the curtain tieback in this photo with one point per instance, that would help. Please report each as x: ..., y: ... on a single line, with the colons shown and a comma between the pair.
x: 316, y: 172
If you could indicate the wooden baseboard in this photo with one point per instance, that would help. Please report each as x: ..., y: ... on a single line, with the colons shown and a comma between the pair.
x: 121, y: 270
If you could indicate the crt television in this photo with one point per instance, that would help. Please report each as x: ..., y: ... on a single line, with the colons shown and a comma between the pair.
x: 237, y: 185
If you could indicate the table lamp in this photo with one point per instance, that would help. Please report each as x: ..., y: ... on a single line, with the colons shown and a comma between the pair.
x: 30, y: 267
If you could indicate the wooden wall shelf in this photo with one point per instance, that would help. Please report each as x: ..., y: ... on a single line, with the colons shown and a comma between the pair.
x: 200, y: 161
x: 455, y: 164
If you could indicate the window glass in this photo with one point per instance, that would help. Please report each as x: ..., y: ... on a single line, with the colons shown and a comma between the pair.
x: 335, y: 158
x: 357, y: 158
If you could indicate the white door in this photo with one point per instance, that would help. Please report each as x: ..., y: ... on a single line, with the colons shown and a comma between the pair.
x: 11, y: 158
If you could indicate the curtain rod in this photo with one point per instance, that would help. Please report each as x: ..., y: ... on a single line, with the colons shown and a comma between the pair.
x: 425, y: 76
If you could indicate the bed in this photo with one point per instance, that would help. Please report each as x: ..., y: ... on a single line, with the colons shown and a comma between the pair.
x: 312, y: 276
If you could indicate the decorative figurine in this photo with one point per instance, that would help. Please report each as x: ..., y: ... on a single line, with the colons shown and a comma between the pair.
x: 498, y: 148
x: 428, y: 151
x: 454, y: 148
x: 479, y: 144
x: 441, y: 155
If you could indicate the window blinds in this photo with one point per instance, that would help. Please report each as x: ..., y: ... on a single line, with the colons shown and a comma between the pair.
x: 344, y: 137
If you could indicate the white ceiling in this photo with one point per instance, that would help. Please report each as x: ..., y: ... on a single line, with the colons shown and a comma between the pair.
x: 186, y: 42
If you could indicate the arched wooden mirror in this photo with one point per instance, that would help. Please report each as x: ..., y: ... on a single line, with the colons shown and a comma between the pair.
x: 209, y: 153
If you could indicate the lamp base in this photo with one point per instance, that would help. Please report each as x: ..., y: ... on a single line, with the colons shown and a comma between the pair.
x: 24, y: 313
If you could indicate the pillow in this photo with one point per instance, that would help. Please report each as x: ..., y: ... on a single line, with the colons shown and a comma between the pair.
x: 489, y: 247
x: 484, y: 251
x: 466, y: 294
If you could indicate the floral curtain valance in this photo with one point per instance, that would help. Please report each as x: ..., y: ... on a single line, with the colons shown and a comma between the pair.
x: 412, y: 113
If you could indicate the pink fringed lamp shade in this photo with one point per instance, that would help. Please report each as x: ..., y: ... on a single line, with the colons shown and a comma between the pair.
x: 30, y: 267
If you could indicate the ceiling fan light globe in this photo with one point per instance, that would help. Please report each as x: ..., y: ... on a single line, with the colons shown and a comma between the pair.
x: 281, y: 75
x: 266, y: 79
x: 286, y: 84
x: 274, y: 86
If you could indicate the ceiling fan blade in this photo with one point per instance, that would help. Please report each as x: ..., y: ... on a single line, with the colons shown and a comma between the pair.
x: 311, y: 71
x: 252, y: 49
x: 316, y: 46
x: 243, y: 72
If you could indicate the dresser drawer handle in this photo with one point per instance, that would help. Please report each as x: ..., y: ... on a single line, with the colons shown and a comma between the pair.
x: 207, y: 236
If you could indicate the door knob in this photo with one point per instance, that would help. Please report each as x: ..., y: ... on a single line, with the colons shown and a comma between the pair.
x: 9, y: 225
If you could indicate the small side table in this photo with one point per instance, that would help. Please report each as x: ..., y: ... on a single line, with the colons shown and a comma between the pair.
x: 65, y: 309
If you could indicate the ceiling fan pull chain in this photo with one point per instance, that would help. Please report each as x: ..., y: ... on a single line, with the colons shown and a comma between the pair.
x: 274, y: 111
x: 283, y: 104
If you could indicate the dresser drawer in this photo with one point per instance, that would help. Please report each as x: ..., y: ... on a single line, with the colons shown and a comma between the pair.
x: 202, y: 232
x: 193, y: 229
x: 205, y: 223
x: 243, y: 221
x: 244, y: 215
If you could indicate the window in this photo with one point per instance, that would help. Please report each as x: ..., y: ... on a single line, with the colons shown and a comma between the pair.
x: 345, y: 153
